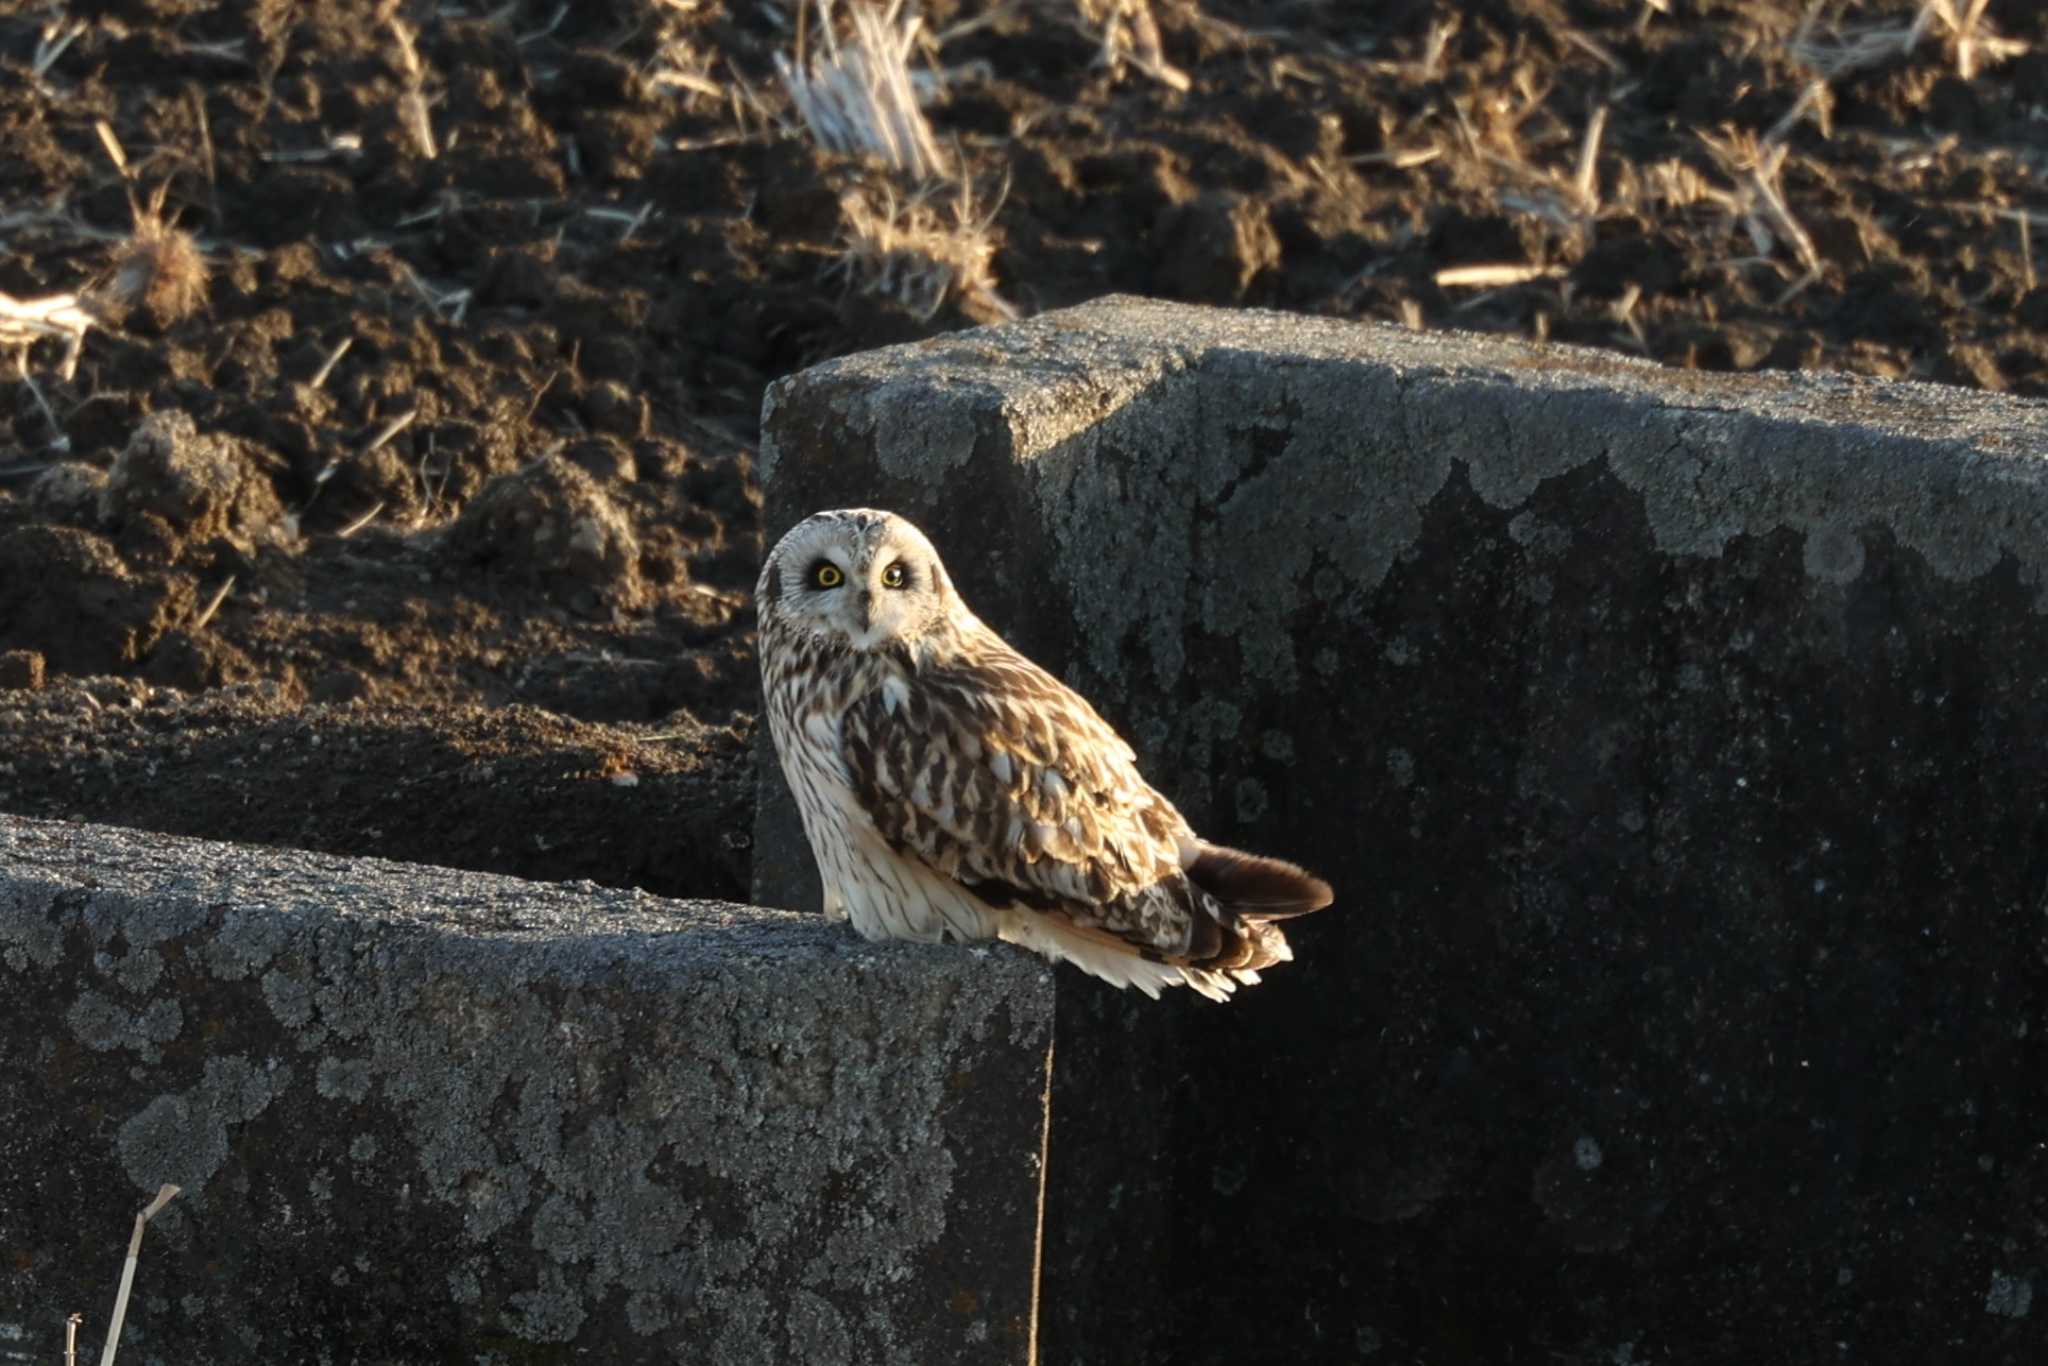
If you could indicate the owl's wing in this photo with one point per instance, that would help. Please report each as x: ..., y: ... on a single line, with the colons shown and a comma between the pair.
x: 992, y: 772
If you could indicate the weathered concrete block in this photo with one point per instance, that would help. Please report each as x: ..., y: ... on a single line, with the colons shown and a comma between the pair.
x: 429, y: 1115
x: 1674, y: 743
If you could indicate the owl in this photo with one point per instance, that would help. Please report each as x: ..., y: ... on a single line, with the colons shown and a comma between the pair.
x: 950, y: 788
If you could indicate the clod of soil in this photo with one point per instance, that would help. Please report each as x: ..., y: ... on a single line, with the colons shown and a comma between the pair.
x: 614, y: 235
x: 195, y: 486
x: 67, y: 593
x: 552, y: 526
x: 21, y: 669
x: 69, y: 493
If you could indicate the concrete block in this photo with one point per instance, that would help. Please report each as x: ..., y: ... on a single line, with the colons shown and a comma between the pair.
x: 431, y: 1115
x: 1674, y: 743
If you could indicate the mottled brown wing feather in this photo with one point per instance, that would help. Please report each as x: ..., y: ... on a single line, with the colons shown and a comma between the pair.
x: 994, y: 773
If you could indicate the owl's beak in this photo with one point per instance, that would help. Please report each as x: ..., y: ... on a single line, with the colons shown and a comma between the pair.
x: 867, y: 610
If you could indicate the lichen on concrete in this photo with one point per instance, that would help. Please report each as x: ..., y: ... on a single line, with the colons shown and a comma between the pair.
x: 1242, y: 451
x: 1671, y: 740
x: 538, y: 1104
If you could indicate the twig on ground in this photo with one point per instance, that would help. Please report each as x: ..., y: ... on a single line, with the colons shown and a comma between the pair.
x: 1495, y: 276
x: 1754, y: 165
x: 451, y: 304
x: 1586, y: 183
x: 220, y: 595
x: 633, y: 221
x: 62, y: 441
x: 1129, y: 34
x: 1972, y: 42
x: 546, y: 30
x: 68, y: 316
x: 1962, y: 21
x: 1436, y: 44
x: 340, y: 145
x: 1400, y: 158
x: 164, y: 1196
x: 58, y: 34
x: 360, y: 522
x: 333, y: 359
x: 389, y: 430
x: 412, y: 105
x: 113, y: 146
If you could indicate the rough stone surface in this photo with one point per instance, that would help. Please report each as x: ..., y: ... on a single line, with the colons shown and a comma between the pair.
x: 428, y: 1115
x: 1674, y: 744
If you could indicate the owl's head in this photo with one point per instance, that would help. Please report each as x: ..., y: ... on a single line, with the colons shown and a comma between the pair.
x: 858, y: 576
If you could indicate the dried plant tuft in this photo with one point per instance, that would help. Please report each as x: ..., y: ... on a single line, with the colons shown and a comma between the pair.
x: 159, y: 268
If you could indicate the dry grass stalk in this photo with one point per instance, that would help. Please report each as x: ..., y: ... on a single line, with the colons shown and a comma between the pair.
x: 358, y: 523
x: 633, y: 221
x: 1848, y: 48
x: 62, y: 442
x: 1972, y: 43
x: 1624, y: 312
x: 113, y: 146
x: 158, y: 268
x: 220, y: 595
x: 1434, y: 46
x: 919, y: 240
x: 1401, y: 159
x: 1961, y: 21
x: 1130, y: 35
x: 1815, y: 99
x: 339, y: 146
x: 58, y: 34
x: 333, y: 359
x: 68, y: 317
x: 856, y: 96
x: 412, y: 104
x: 974, y: 23
x: 1496, y: 276
x: 1755, y: 165
x: 677, y: 65
x: 390, y: 429
x: 1586, y: 182
x: 1570, y: 202
x: 921, y: 251
x: 451, y: 304
x: 164, y: 1196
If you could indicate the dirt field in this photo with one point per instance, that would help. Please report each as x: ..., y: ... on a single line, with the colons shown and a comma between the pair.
x: 416, y: 515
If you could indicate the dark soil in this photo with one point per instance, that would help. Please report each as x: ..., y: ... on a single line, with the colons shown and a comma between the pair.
x: 474, y: 589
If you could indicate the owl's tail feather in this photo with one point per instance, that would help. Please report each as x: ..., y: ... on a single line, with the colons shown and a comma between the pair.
x: 1245, y: 893
x: 1229, y: 936
x: 1255, y: 887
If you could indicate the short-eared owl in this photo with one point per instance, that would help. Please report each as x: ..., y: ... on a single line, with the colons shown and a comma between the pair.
x: 949, y: 786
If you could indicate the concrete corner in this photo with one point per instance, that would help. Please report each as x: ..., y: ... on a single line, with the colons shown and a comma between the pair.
x: 1673, y: 743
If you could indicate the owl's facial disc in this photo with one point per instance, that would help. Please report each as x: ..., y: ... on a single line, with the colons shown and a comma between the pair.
x: 867, y: 578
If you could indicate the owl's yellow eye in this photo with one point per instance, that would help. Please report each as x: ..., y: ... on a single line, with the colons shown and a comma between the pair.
x: 893, y: 576
x: 825, y: 574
